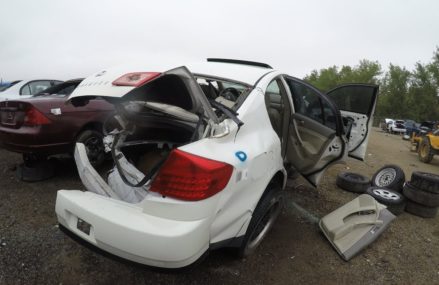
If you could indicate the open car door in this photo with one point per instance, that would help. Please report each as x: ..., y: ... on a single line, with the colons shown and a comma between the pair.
x: 315, y: 136
x: 356, y: 103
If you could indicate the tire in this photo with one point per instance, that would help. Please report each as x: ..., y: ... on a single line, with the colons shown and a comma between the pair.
x: 394, y: 201
x: 264, y: 216
x: 421, y: 211
x: 425, y: 152
x: 425, y: 181
x: 390, y: 177
x: 94, y: 146
x: 421, y: 197
x: 352, y: 182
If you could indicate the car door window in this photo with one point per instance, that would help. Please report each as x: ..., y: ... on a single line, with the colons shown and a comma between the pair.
x: 356, y: 98
x: 308, y: 102
x: 25, y: 90
x: 35, y: 87
x: 275, y: 99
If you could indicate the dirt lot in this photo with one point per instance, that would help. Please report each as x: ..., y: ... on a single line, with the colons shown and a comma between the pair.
x: 34, y: 250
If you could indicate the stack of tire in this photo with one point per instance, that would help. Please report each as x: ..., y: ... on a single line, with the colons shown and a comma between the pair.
x: 386, y: 186
x: 422, y: 193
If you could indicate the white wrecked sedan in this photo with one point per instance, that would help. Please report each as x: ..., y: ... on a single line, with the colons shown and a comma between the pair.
x: 201, y: 156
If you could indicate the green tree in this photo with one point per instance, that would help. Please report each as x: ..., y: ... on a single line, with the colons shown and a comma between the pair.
x: 327, y: 78
x: 423, y: 93
x: 394, y: 100
x: 404, y: 94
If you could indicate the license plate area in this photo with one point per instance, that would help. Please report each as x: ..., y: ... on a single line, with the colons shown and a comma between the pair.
x: 83, y: 226
x: 8, y: 118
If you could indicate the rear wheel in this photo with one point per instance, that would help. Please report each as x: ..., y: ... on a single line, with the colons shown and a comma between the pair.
x: 425, y: 152
x: 264, y: 216
x: 94, y: 146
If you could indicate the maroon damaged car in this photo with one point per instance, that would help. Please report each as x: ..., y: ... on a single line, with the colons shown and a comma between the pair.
x: 45, y: 125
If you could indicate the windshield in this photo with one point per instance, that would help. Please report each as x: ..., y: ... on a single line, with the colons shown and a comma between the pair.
x: 7, y: 85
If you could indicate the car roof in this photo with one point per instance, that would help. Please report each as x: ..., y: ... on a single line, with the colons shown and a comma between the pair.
x: 100, y: 83
x: 247, y: 74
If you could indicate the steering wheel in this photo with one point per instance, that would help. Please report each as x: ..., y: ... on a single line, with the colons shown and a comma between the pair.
x: 230, y: 93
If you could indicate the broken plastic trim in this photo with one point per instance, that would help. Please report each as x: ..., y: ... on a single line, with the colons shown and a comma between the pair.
x: 89, y: 177
x: 117, y: 156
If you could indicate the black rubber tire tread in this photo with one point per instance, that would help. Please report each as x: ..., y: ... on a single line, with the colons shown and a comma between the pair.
x: 352, y: 182
x: 425, y: 142
x: 395, y: 206
x: 83, y: 136
x: 420, y: 210
x: 425, y: 181
x: 274, y: 191
x: 421, y: 197
x: 397, y: 182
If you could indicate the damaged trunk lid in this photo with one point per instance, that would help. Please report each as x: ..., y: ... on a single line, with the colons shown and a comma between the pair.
x: 157, y: 112
x: 174, y: 92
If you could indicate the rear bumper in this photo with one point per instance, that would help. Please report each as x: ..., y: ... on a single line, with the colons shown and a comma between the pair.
x: 398, y: 130
x: 31, y: 141
x: 125, y: 230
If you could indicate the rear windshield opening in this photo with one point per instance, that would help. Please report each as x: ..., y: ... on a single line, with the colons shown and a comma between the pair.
x: 168, y: 89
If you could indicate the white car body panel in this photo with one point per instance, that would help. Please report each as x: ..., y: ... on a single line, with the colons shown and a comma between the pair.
x: 122, y: 229
x: 167, y: 232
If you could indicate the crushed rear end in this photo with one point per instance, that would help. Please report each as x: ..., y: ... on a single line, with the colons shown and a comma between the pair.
x: 157, y: 204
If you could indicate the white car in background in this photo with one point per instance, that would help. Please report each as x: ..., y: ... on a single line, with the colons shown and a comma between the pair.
x: 201, y: 156
x: 396, y: 126
x: 22, y: 89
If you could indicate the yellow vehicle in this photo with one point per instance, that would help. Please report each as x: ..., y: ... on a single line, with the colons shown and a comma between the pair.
x: 428, y: 146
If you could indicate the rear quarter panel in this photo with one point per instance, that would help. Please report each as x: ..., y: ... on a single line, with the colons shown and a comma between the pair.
x: 67, y: 125
x: 250, y: 177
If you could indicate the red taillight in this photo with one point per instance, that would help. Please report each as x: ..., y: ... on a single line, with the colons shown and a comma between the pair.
x: 135, y: 78
x: 188, y: 177
x: 34, y: 117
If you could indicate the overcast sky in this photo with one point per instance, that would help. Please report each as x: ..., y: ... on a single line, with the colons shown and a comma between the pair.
x: 65, y: 39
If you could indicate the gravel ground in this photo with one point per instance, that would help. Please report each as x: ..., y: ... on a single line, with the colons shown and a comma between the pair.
x: 34, y: 251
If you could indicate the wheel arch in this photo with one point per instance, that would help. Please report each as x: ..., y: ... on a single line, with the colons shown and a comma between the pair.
x: 280, y: 178
x: 95, y: 126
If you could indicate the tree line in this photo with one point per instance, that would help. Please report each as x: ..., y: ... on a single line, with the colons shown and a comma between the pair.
x: 404, y: 94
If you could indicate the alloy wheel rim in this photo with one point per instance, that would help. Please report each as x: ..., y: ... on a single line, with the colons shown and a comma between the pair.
x: 385, y: 194
x: 264, y: 226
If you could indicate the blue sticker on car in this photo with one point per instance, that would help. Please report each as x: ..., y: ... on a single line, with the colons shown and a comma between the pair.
x: 242, y: 156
